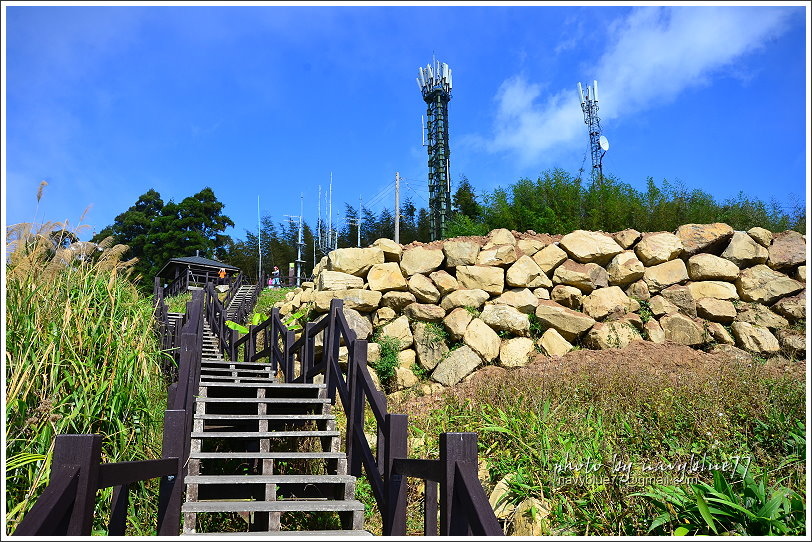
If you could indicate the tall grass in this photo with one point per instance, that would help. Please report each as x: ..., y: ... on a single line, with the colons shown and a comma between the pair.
x: 81, y: 357
x: 559, y: 437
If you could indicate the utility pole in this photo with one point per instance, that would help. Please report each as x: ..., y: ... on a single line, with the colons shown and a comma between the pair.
x: 259, y: 245
x: 397, y: 207
x: 360, y: 204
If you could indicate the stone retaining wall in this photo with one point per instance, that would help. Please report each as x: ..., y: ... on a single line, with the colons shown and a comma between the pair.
x: 460, y: 303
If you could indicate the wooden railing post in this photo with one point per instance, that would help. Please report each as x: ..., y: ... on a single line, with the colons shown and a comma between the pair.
x: 84, y: 452
x: 355, y: 410
x: 454, y: 447
x: 170, y: 493
x: 395, y: 443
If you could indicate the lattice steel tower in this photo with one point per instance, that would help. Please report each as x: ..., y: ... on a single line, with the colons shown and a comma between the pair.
x: 435, y: 85
x: 598, y: 144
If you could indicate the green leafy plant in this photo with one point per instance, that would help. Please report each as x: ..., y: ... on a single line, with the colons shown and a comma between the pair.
x: 385, y: 366
x: 472, y: 310
x: 420, y: 372
x: 291, y: 321
x: 703, y: 509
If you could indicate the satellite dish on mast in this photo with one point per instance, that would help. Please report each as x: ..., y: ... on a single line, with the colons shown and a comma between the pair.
x: 604, y: 143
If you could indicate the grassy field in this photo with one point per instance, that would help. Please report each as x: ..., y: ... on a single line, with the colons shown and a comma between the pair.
x: 615, y: 450
x: 82, y: 357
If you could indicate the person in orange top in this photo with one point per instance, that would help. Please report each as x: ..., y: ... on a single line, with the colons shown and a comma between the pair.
x: 222, y: 275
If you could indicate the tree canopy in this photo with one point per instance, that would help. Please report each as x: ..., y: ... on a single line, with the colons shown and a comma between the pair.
x: 156, y: 231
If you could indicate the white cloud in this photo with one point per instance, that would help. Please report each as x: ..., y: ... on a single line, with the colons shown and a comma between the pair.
x: 653, y: 55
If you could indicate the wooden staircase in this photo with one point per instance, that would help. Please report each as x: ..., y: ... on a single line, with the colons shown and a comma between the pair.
x: 245, y: 290
x: 265, y: 456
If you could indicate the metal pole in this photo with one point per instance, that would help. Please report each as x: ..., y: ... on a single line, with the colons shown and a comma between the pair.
x: 259, y: 244
x: 360, y: 203
x: 397, y: 207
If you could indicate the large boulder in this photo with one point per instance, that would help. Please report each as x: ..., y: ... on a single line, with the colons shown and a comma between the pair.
x: 655, y: 248
x: 473, y: 277
x: 515, y: 352
x: 589, y: 246
x: 713, y: 288
x: 424, y: 312
x: 482, y: 339
x: 639, y: 290
x: 384, y: 277
x: 764, y: 285
x: 719, y: 334
x: 530, y: 246
x: 500, y: 236
x: 526, y: 273
x: 761, y: 236
x: 569, y: 296
x: 499, y: 255
x: 569, y: 323
x: 605, y: 301
x: 800, y: 273
x: 423, y: 289
x: 382, y: 316
x: 456, y: 322
x: 604, y: 335
x: 755, y: 338
x: 459, y: 364
x: 421, y: 260
x: 460, y: 253
x: 716, y: 310
x: 430, y: 346
x: 553, y: 344
x: 445, y: 282
x: 358, y: 323
x: 660, y: 306
x: 404, y: 378
x: 399, y: 329
x: 585, y: 277
x: 703, y: 237
x: 710, y: 267
x: 397, y: 301
x: 793, y: 307
x: 464, y: 298
x: 759, y: 315
x: 354, y: 261
x: 744, y: 251
x: 787, y: 249
x: 549, y: 258
x: 625, y: 268
x: 391, y: 250
x: 681, y: 296
x: 793, y: 341
x: 506, y: 318
x: 520, y: 298
x: 654, y: 331
x: 360, y: 300
x: 682, y: 329
x: 626, y: 238
x: 338, y: 280
x: 665, y: 274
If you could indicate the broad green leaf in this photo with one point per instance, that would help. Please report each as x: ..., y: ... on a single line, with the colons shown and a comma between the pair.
x: 706, y: 515
x: 681, y: 531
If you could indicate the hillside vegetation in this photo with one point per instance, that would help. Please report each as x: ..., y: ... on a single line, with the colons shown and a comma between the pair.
x: 82, y: 357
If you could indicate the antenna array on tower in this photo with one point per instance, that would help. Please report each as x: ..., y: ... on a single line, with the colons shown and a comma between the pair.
x: 598, y: 143
x: 435, y: 84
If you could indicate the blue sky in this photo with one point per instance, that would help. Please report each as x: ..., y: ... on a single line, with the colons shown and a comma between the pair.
x: 106, y: 102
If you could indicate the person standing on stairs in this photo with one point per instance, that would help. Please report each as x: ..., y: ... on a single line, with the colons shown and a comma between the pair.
x: 276, y: 277
x: 222, y: 275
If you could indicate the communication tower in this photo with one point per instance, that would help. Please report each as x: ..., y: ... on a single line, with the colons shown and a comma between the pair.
x: 598, y: 144
x: 435, y: 85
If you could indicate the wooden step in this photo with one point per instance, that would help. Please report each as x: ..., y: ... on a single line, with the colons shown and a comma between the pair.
x: 273, y: 506
x: 271, y: 479
x: 279, y: 417
x: 246, y: 364
x: 226, y: 370
x: 314, y: 534
x: 232, y: 379
x: 266, y: 455
x: 264, y: 434
x: 280, y: 400
x: 270, y: 384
